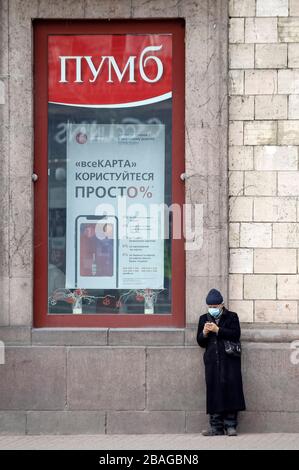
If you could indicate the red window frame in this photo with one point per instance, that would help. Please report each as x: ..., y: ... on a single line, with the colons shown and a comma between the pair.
x: 42, y: 28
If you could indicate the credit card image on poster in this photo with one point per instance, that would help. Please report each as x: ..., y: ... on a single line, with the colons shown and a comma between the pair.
x: 96, y: 252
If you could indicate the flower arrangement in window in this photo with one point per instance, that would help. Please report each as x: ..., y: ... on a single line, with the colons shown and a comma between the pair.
x: 77, y: 296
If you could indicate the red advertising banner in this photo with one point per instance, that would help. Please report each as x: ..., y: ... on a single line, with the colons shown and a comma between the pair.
x: 119, y: 70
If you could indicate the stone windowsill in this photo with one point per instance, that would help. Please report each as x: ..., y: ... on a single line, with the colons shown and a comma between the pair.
x: 25, y: 335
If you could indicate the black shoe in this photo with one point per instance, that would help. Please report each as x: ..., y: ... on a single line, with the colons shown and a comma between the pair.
x: 213, y: 432
x: 231, y: 431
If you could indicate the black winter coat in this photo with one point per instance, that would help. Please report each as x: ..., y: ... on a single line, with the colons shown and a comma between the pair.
x: 223, y: 372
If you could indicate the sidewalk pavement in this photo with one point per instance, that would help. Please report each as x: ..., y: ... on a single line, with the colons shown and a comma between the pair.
x: 152, y: 441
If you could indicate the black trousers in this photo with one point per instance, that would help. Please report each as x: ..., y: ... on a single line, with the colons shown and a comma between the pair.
x: 225, y: 420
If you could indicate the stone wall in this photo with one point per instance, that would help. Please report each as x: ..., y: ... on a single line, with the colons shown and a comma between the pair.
x: 205, y: 137
x: 263, y: 159
x: 146, y: 381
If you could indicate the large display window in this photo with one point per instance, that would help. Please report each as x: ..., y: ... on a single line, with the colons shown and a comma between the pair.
x: 109, y: 151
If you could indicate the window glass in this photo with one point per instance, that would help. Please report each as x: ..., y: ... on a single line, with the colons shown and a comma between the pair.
x: 109, y: 173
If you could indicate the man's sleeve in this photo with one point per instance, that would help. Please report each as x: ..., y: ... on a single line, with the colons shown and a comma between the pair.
x: 201, y: 339
x: 232, y: 332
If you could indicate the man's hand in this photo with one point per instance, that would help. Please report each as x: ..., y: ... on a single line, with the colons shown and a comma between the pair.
x: 210, y: 326
x: 206, y: 330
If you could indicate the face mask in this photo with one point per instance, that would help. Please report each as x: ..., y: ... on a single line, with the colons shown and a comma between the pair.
x: 214, y: 311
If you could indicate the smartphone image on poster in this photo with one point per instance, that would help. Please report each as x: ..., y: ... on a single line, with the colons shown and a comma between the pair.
x: 96, y: 252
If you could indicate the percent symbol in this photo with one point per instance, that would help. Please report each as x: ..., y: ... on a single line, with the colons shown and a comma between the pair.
x: 146, y: 192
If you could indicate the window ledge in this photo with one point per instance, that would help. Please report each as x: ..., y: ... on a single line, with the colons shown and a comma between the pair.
x: 139, y: 337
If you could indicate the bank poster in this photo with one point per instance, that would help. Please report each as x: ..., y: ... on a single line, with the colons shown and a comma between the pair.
x: 115, y: 196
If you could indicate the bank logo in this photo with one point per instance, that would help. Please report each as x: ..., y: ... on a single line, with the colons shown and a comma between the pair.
x: 81, y: 138
x: 112, y: 66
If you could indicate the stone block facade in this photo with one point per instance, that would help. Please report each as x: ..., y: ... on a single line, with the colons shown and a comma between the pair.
x: 263, y: 159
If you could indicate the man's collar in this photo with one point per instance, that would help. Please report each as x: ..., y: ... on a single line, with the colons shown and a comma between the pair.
x: 224, y: 310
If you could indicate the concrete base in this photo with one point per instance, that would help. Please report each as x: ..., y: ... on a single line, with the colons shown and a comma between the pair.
x: 139, y: 389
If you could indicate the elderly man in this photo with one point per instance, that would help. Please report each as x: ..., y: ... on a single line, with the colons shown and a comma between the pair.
x: 222, y: 370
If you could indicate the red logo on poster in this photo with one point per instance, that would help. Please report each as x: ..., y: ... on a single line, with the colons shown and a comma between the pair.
x: 81, y: 138
x: 109, y: 70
